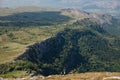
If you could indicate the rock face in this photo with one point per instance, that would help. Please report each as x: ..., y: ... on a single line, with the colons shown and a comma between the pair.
x: 76, y: 13
x: 97, y: 17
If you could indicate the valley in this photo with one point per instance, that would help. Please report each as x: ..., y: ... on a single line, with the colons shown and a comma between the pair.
x: 48, y: 42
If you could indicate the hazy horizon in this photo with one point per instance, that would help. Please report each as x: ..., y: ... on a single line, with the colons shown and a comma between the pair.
x: 109, y: 4
x: 101, y: 6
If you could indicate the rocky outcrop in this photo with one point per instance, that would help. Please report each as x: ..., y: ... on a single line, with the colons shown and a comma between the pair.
x: 97, y: 17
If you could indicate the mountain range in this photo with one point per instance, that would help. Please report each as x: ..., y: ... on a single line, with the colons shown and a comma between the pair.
x: 106, y: 6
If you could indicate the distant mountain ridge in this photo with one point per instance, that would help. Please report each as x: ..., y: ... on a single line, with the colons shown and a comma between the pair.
x: 107, y: 4
x: 101, y: 18
x: 9, y: 11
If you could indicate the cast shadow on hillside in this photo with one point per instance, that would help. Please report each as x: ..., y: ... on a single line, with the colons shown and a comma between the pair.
x: 33, y: 19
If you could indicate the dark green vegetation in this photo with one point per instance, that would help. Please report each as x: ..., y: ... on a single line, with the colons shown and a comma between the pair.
x: 73, y: 50
x: 33, y: 19
x: 112, y: 26
x: 83, y: 46
x: 15, y: 36
x: 114, y: 29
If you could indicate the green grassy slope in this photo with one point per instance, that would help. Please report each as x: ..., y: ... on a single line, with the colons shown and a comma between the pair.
x: 97, y: 50
x: 87, y: 47
x: 15, y: 40
x: 26, y: 26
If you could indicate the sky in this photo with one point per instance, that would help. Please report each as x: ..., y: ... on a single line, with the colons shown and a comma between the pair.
x: 61, y: 3
x: 20, y: 3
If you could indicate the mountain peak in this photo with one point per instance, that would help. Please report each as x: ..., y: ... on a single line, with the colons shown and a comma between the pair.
x: 74, y: 12
x: 101, y: 18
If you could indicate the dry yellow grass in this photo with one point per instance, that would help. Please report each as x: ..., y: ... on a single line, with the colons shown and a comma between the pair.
x: 9, y: 51
x: 81, y: 76
x: 11, y: 47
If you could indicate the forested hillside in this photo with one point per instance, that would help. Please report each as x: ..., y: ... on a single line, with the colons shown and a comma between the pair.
x: 90, y: 49
x: 59, y: 42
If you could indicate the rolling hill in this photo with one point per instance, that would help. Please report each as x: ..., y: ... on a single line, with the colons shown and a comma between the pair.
x: 90, y: 48
x: 59, y: 39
